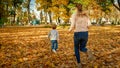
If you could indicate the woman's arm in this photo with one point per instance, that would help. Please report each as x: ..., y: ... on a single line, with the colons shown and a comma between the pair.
x: 89, y: 23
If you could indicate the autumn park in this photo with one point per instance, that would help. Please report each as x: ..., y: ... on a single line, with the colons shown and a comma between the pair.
x: 25, y: 27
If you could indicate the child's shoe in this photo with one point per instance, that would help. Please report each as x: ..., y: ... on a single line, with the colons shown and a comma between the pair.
x: 54, y: 51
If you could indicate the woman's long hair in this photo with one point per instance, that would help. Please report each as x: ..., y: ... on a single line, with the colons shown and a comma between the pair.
x: 79, y: 7
x: 79, y: 10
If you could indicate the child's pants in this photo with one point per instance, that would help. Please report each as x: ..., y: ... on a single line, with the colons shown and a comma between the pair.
x: 54, y: 44
x: 80, y: 41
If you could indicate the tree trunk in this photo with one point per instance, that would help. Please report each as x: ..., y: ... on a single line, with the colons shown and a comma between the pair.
x: 15, y: 5
x: 50, y: 18
x: 115, y: 5
x: 28, y: 9
x: 41, y: 16
x: 118, y: 3
x: 59, y: 20
x: 7, y: 13
x: 46, y: 17
x: 14, y: 16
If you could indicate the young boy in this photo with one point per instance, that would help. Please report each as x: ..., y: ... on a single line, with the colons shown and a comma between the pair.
x: 54, y: 37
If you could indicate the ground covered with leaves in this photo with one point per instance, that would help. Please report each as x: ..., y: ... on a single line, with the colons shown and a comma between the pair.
x: 29, y: 47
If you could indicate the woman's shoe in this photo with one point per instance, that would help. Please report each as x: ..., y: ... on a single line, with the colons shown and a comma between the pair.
x: 79, y: 65
x: 90, y: 55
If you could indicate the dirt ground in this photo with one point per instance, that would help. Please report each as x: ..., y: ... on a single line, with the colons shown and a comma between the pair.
x: 29, y: 47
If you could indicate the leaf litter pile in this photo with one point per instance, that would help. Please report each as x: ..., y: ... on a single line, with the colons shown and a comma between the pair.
x: 29, y: 47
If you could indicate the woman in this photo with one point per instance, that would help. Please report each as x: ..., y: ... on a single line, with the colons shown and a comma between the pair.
x: 79, y: 23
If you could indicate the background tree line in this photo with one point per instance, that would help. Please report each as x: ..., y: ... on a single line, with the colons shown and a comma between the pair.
x: 58, y: 11
x: 12, y: 11
x: 18, y: 11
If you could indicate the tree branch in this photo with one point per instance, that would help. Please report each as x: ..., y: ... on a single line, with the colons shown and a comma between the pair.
x: 118, y: 3
x: 115, y: 5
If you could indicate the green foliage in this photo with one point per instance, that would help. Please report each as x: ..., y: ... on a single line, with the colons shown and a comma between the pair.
x: 10, y: 8
x: 84, y: 3
x: 12, y: 12
x: 16, y: 3
x: 2, y: 21
x: 105, y: 4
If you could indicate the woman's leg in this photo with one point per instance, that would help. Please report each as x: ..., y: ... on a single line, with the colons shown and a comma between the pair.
x: 56, y: 45
x: 76, y: 47
x: 83, y: 44
x: 83, y: 41
x: 52, y: 44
